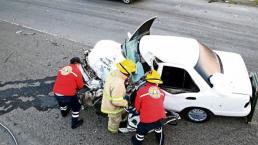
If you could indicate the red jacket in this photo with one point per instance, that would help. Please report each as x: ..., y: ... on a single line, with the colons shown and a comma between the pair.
x: 68, y: 80
x: 149, y: 103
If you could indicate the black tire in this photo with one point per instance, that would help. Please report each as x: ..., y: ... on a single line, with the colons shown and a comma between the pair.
x: 127, y: 1
x: 197, y: 115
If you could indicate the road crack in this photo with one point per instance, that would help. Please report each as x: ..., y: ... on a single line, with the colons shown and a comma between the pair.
x: 9, y: 56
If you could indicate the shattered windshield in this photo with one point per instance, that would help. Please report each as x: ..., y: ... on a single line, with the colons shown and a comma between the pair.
x: 208, y: 63
x: 130, y: 51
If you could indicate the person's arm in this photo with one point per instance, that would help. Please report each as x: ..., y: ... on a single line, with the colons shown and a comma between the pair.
x: 79, y: 81
x: 163, y: 95
x: 137, y: 103
x: 117, y: 95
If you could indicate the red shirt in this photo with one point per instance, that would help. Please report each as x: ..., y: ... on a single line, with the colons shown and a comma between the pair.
x: 149, y: 103
x: 68, y: 80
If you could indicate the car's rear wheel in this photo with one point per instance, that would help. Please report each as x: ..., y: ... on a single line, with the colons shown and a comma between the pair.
x: 127, y: 1
x: 197, y: 115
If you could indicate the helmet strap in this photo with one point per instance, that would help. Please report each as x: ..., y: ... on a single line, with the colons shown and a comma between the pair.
x: 124, y: 69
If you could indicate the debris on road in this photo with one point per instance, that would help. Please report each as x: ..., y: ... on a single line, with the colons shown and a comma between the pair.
x: 9, y: 56
x: 18, y: 32
x: 54, y: 43
x: 23, y: 33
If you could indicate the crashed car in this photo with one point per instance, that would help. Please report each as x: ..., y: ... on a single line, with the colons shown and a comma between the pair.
x: 198, y: 82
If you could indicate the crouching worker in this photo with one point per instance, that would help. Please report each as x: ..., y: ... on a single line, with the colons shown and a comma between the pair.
x: 68, y: 81
x: 149, y: 103
x: 113, y: 101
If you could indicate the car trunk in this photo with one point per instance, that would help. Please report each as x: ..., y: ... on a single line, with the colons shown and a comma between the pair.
x: 235, y: 72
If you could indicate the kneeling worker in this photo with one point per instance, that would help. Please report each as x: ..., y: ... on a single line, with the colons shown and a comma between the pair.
x: 149, y: 103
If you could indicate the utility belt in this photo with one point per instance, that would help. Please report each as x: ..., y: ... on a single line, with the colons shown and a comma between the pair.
x: 158, y: 122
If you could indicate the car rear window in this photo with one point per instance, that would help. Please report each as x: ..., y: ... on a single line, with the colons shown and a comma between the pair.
x: 208, y: 63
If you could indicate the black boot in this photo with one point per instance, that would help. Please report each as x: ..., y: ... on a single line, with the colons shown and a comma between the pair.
x: 64, y: 113
x: 135, y: 141
x: 76, y: 122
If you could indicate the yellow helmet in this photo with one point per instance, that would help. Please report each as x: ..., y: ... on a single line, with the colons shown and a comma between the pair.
x: 127, y: 66
x: 153, y: 77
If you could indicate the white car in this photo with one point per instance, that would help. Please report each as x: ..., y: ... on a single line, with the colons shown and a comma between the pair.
x: 198, y: 82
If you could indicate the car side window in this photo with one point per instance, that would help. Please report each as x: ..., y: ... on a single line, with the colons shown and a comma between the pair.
x: 177, y: 80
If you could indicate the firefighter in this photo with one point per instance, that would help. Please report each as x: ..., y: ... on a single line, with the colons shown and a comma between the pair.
x: 113, y: 101
x: 149, y: 104
x: 68, y: 81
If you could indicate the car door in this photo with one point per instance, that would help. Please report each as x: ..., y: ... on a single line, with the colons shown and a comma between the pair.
x: 181, y: 90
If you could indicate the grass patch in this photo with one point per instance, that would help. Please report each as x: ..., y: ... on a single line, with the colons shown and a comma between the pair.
x: 232, y: 2
x: 245, y: 2
x: 255, y: 2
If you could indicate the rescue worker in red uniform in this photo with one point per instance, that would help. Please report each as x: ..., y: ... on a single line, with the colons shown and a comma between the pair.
x: 149, y: 104
x: 68, y: 81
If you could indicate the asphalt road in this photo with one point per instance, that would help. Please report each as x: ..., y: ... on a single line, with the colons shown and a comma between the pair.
x: 29, y: 60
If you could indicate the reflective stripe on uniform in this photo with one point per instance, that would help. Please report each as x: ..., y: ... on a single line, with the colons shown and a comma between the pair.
x: 159, y: 130
x: 112, y: 130
x: 139, y: 137
x: 117, y: 99
x: 107, y: 96
x: 114, y: 98
x: 75, y: 114
x: 63, y: 108
x: 112, y: 112
x: 74, y: 74
x: 144, y: 95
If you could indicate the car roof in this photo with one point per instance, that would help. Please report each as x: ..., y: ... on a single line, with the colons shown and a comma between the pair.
x: 170, y: 49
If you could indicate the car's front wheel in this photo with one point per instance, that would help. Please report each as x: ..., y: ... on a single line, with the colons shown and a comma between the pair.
x: 197, y: 115
x: 127, y: 1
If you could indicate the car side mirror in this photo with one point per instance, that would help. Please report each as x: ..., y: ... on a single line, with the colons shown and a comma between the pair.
x: 129, y: 35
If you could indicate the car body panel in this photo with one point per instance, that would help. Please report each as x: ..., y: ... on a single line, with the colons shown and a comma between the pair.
x: 218, y: 100
x: 104, y: 56
x: 231, y: 89
x: 169, y: 49
x: 235, y: 72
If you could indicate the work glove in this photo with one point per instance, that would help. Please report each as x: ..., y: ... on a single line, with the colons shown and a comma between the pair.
x: 127, y: 98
